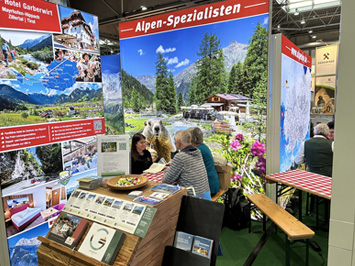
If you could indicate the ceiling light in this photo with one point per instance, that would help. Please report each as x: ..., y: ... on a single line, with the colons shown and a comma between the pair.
x: 314, y: 36
x: 303, y: 21
x: 144, y: 8
x: 296, y: 12
x: 278, y: 27
x: 310, y: 31
x: 317, y: 2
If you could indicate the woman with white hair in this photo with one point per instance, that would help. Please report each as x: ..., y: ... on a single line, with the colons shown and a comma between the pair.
x: 187, y: 168
x: 317, y: 152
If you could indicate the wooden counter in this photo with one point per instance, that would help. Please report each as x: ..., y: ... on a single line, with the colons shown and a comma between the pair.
x: 147, y: 251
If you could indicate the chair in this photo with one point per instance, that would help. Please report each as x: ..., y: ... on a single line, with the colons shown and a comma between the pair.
x: 197, y: 217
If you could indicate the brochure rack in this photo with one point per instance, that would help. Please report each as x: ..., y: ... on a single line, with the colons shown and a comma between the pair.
x: 197, y: 217
x: 135, y: 250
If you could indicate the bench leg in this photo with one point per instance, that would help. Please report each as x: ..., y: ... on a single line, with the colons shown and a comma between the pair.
x: 288, y: 251
x: 258, y: 246
x: 300, y: 205
x: 307, y: 251
x: 249, y: 217
x: 264, y: 222
x: 317, y: 212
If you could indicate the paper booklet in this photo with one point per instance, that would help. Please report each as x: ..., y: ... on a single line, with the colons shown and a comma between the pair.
x: 155, y: 168
x: 102, y: 243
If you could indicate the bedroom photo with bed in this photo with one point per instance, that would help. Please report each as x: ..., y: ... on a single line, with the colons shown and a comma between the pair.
x: 24, y: 211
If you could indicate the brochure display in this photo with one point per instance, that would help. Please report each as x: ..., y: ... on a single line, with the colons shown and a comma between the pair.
x: 124, y: 215
x: 198, y: 233
x: 143, y: 242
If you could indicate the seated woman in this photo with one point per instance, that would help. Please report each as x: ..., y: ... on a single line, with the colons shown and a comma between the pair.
x: 140, y: 157
x: 197, y: 142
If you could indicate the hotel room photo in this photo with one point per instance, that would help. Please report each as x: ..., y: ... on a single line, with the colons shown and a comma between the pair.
x: 32, y: 207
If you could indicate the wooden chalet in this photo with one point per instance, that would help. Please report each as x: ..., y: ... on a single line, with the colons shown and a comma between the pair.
x: 223, y: 102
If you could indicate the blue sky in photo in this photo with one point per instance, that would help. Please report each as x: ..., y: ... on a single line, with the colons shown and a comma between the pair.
x: 40, y: 230
x: 90, y: 19
x: 180, y: 47
x: 110, y: 64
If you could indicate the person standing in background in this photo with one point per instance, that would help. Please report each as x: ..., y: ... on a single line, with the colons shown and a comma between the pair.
x: 331, y: 130
x: 317, y: 152
x: 197, y: 142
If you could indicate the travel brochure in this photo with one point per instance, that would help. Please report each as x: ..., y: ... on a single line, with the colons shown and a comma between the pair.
x: 166, y: 188
x: 113, y: 155
x: 102, y: 243
x: 195, y: 244
x: 127, y: 216
x: 68, y: 230
x: 147, y: 200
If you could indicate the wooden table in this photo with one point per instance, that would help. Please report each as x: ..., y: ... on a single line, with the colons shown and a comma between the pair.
x: 315, y: 184
x: 135, y: 251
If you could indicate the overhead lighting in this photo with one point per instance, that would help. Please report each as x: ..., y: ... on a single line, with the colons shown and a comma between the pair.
x: 310, y: 31
x: 303, y: 21
x: 314, y: 36
x: 296, y: 12
x: 144, y: 8
x: 278, y: 27
x: 295, y: 6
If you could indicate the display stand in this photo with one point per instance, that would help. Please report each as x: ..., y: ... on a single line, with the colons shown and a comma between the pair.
x: 135, y: 250
x: 197, y: 217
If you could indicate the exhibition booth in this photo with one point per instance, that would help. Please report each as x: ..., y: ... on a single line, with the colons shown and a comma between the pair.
x: 62, y: 124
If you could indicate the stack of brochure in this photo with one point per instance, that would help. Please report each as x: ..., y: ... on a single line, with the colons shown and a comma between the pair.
x: 90, y: 182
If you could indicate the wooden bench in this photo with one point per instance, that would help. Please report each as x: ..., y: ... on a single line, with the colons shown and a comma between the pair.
x: 293, y: 228
x: 218, y: 194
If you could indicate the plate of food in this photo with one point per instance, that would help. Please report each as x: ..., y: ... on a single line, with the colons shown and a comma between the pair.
x: 127, y: 182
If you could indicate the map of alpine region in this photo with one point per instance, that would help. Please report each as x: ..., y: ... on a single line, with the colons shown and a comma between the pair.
x: 59, y: 76
x: 295, y: 110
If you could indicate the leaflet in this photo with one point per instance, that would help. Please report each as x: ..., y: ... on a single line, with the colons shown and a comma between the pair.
x: 121, y: 214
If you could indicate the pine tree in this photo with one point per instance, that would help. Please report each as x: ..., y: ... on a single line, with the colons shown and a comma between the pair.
x: 135, y: 100
x: 211, y: 74
x: 180, y: 101
x: 255, y: 64
x: 171, y: 97
x: 191, y: 97
x: 161, y: 83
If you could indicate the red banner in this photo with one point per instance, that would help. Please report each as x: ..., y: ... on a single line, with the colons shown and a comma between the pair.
x: 31, y: 15
x: 19, y: 137
x: 201, y: 15
x: 292, y: 51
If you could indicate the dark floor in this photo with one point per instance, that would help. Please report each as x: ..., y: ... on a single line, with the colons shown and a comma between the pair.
x: 237, y: 245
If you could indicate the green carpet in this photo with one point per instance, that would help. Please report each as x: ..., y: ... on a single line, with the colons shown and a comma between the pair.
x: 237, y: 245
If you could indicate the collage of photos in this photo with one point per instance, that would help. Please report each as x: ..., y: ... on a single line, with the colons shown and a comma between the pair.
x: 51, y: 77
x: 33, y: 188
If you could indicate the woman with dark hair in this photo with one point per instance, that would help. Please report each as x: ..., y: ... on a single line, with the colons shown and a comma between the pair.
x: 140, y: 156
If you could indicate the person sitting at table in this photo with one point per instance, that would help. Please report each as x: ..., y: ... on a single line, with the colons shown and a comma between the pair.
x: 140, y: 156
x: 317, y: 152
x: 197, y: 142
x: 187, y: 167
